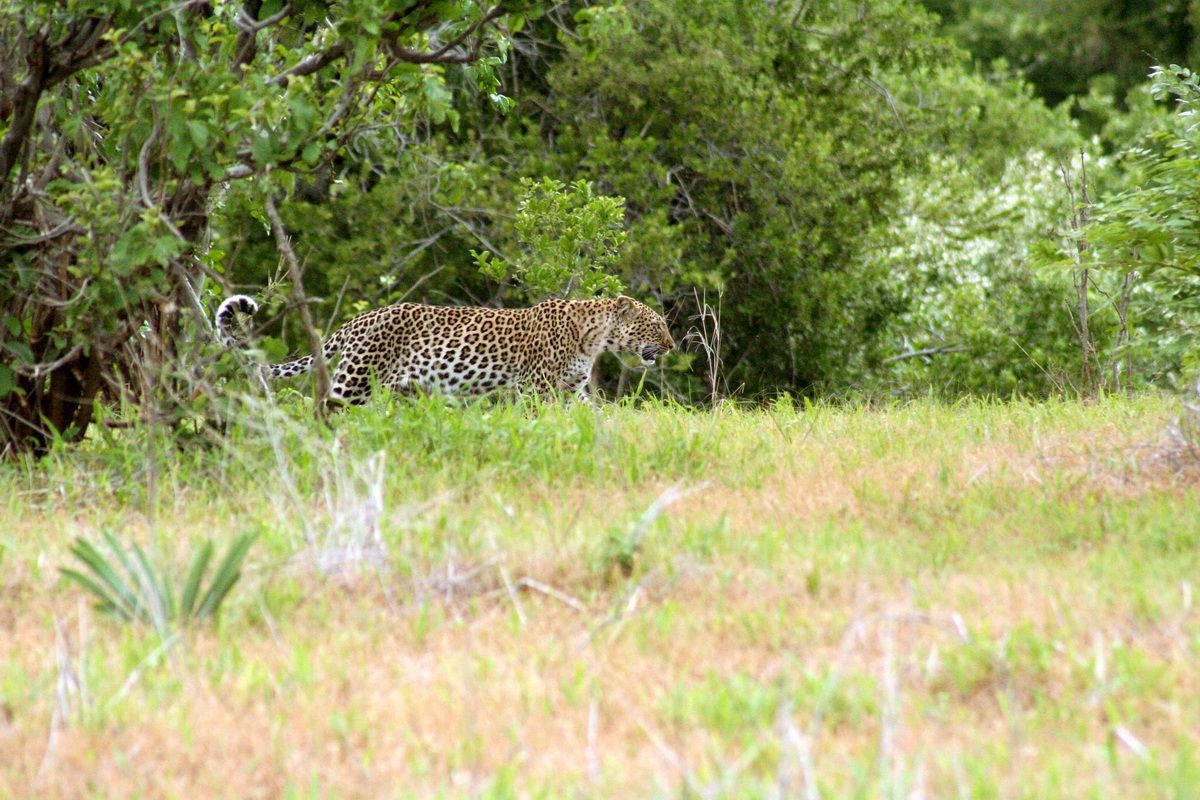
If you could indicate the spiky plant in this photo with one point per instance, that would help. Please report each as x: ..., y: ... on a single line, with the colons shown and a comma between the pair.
x: 127, y: 585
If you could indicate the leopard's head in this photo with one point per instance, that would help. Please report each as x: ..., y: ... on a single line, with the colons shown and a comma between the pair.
x: 639, y: 329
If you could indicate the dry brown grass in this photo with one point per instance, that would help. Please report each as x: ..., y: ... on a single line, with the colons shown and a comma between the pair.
x: 917, y: 602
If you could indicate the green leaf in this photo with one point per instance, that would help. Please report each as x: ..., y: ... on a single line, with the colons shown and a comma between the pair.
x: 129, y: 589
x: 502, y: 103
x: 104, y: 600
x: 262, y: 149
x: 129, y: 586
x: 312, y: 152
x: 191, y: 586
x: 199, y: 132
x: 227, y: 575
x: 301, y: 113
x: 8, y: 380
x: 155, y: 589
x: 111, y: 587
x: 21, y: 351
x: 180, y: 151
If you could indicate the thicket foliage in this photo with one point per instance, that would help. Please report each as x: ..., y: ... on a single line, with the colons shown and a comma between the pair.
x: 979, y: 319
x: 119, y: 123
x: 1144, y: 231
x: 1156, y: 222
x: 753, y: 150
x: 570, y: 242
x: 797, y: 167
x: 856, y: 198
x: 1068, y: 47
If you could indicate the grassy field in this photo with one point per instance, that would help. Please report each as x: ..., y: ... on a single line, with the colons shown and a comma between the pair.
x: 512, y: 600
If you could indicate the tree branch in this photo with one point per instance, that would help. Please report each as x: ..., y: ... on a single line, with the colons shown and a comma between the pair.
x: 311, y: 64
x: 247, y: 24
x: 81, y: 47
x: 440, y: 55
x: 247, y: 20
x: 318, y: 61
x: 41, y: 370
x: 24, y: 105
x: 48, y: 64
x: 928, y: 351
x: 284, y: 244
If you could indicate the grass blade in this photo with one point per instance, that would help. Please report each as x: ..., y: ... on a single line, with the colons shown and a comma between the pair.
x: 191, y: 586
x: 156, y: 589
x: 135, y: 598
x: 105, y: 602
x: 118, y: 591
x: 227, y: 575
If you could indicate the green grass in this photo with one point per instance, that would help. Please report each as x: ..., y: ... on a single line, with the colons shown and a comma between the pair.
x: 513, y: 599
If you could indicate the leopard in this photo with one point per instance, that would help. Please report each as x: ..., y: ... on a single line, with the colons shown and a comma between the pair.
x: 412, y: 348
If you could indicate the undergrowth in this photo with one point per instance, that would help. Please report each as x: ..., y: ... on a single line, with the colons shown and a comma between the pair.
x: 525, y: 598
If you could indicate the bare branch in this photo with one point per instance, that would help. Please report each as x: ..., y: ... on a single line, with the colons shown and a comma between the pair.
x: 239, y: 171
x: 928, y: 351
x: 443, y: 54
x: 284, y: 244
x: 454, y: 214
x: 311, y: 64
x: 143, y: 170
x: 248, y: 24
x: 347, y: 101
x: 40, y: 370
x: 440, y: 54
x: 81, y: 47
x: 873, y: 83
x: 561, y: 596
x: 24, y: 104
x: 63, y: 228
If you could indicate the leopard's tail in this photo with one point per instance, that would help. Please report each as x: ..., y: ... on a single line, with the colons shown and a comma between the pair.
x: 227, y: 314
x: 227, y: 324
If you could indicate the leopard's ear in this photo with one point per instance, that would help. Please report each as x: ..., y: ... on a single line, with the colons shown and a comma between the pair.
x: 626, y: 307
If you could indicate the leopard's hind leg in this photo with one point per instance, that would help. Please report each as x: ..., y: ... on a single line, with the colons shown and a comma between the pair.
x: 351, y: 383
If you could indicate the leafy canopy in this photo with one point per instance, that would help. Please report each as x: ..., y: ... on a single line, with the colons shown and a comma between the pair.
x: 123, y: 123
x: 571, y: 240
